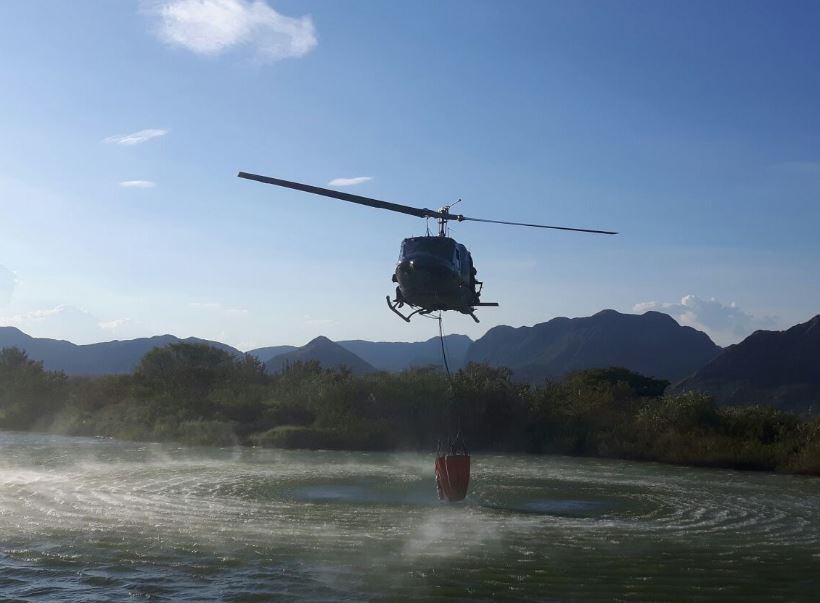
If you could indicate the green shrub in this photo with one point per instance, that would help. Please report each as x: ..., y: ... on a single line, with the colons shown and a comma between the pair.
x: 206, y: 433
x: 759, y: 423
x: 682, y: 412
x: 28, y: 393
x: 201, y: 396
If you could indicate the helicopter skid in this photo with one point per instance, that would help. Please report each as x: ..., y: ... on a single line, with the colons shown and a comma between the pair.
x: 393, y: 307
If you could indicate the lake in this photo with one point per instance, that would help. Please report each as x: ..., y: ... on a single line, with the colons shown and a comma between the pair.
x: 85, y: 519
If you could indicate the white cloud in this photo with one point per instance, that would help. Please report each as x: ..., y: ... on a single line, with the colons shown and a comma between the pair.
x: 136, y: 137
x: 114, y: 325
x: 8, y: 281
x: 725, y: 323
x: 210, y: 27
x: 137, y: 184
x: 349, y: 181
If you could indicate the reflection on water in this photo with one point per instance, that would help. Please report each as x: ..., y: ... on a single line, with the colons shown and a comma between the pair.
x: 100, y: 520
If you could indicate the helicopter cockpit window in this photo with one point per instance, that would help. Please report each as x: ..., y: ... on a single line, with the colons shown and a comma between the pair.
x: 437, y: 246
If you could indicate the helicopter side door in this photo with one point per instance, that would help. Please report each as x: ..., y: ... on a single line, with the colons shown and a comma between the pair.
x: 463, y: 263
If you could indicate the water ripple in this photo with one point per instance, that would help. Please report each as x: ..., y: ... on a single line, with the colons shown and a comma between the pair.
x: 84, y: 519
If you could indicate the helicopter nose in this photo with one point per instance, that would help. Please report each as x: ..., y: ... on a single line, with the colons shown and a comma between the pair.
x: 421, y: 266
x: 407, y: 268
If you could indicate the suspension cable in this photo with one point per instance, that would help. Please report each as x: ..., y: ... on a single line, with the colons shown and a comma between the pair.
x: 439, y: 318
x: 443, y: 351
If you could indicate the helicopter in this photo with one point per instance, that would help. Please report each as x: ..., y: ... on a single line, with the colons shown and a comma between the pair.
x: 434, y: 272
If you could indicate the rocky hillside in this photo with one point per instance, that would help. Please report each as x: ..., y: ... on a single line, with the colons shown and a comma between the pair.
x: 109, y: 357
x: 397, y: 356
x: 781, y: 368
x: 652, y: 344
x: 325, y: 352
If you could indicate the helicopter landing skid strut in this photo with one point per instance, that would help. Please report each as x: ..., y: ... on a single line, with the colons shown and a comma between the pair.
x: 407, y: 318
x: 477, y: 304
x: 394, y: 305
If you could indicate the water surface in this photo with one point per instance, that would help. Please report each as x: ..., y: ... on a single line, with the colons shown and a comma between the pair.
x: 100, y: 520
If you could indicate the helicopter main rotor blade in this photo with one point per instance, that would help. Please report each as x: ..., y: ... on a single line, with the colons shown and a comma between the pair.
x: 466, y: 219
x: 397, y: 207
x: 325, y: 192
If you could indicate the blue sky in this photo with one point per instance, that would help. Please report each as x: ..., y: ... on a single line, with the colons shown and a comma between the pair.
x: 692, y: 128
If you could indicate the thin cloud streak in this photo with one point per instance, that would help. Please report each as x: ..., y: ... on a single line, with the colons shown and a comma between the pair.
x: 137, y: 184
x: 115, y: 324
x: 349, y: 181
x: 136, y: 137
x: 210, y: 27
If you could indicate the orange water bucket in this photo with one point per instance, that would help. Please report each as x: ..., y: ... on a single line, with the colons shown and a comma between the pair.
x: 452, y: 476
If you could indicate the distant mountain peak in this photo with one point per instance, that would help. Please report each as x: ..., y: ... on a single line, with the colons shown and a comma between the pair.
x: 660, y: 316
x: 14, y: 330
x: 108, y: 357
x: 397, y: 356
x: 653, y: 344
x: 768, y: 367
x: 810, y: 326
x: 327, y: 353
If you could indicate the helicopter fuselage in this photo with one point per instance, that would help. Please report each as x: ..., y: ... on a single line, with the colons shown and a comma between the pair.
x: 433, y: 273
x: 436, y: 273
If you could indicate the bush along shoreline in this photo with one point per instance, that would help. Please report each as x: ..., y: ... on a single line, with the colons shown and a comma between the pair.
x: 199, y: 395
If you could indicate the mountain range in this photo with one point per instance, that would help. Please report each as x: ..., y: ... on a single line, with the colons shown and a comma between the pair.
x: 781, y: 368
x: 652, y: 344
x: 113, y: 357
x: 265, y: 354
x: 109, y: 357
x: 323, y: 351
x: 396, y: 356
x: 392, y: 356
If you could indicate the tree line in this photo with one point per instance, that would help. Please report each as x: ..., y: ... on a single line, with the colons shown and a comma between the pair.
x: 200, y: 395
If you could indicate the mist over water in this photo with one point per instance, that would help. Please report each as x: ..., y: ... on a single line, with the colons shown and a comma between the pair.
x: 99, y: 520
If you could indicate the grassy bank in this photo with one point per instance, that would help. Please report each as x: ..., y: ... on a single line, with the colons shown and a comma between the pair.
x: 199, y: 395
